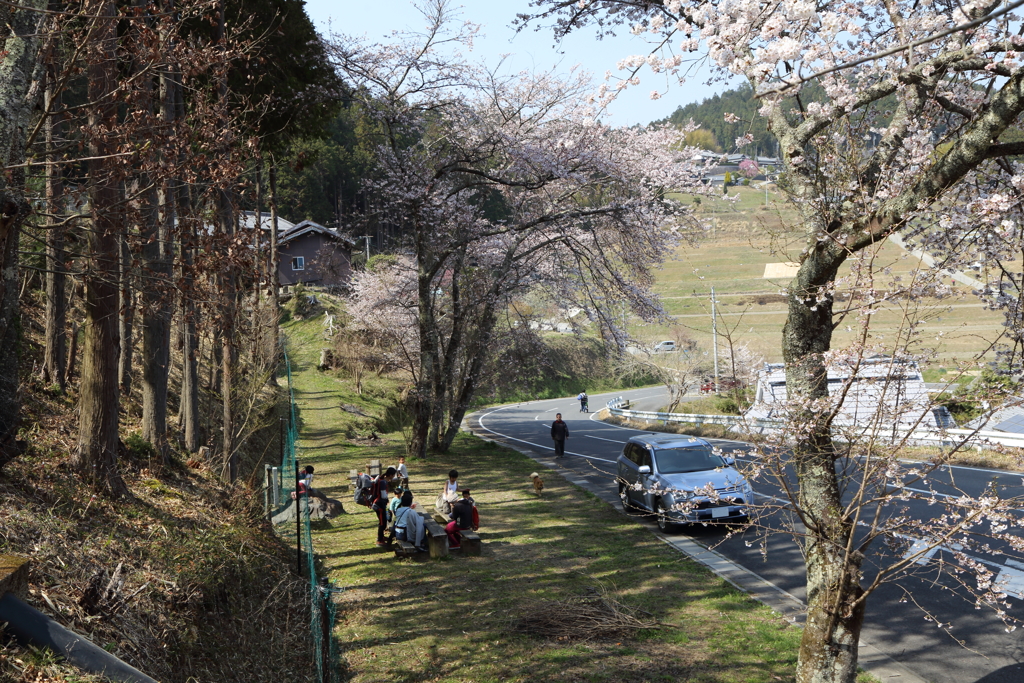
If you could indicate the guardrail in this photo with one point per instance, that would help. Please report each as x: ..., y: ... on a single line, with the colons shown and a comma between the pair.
x: 945, y: 437
x: 615, y: 408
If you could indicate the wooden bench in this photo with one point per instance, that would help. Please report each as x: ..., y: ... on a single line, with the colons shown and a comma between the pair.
x: 470, y: 543
x: 437, y: 539
x: 404, y: 548
x: 434, y: 535
x: 470, y: 539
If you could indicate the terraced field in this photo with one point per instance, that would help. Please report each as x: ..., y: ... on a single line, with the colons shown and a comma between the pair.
x: 747, y: 236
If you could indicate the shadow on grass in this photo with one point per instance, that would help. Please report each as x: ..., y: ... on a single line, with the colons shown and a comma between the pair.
x: 455, y: 620
x: 554, y: 548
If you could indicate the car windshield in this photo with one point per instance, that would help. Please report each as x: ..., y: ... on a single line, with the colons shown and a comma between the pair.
x: 692, y: 459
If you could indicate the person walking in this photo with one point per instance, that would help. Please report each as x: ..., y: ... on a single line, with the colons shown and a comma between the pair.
x: 559, y: 433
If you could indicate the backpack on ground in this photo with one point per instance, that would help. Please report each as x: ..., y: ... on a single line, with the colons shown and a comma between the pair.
x: 364, y: 484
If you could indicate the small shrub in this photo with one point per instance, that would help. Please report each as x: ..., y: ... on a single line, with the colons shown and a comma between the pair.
x: 138, y: 446
x: 727, y: 405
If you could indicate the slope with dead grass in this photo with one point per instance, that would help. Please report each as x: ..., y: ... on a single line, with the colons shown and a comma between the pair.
x: 182, y: 579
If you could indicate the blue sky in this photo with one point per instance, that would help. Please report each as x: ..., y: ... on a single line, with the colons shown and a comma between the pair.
x: 529, y: 50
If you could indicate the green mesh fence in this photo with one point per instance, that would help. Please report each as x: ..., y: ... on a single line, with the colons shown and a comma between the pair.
x: 322, y: 607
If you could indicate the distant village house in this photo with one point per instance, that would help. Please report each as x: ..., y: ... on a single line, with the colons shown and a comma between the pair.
x: 307, y: 252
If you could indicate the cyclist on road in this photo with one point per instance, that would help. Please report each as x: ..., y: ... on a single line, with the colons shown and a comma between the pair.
x: 584, y: 402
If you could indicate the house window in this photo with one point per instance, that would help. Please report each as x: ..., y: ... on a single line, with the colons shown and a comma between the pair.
x: 298, y: 263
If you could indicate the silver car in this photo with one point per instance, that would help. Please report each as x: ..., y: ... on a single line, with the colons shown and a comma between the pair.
x: 681, y: 480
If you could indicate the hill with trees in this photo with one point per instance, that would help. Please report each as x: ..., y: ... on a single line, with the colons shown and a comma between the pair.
x: 710, y: 113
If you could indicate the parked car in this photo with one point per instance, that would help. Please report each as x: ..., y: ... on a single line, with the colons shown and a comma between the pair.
x: 724, y: 384
x: 665, y: 346
x: 672, y: 476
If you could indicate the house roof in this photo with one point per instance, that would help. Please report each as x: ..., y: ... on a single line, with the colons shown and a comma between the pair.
x: 247, y: 221
x: 1009, y: 418
x: 306, y: 227
x: 878, y: 386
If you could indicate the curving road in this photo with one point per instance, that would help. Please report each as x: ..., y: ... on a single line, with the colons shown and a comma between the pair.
x: 893, y: 627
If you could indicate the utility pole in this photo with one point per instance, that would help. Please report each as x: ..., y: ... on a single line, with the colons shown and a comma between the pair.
x: 714, y: 334
x: 366, y: 238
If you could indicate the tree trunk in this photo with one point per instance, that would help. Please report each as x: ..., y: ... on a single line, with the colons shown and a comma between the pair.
x: 19, y: 95
x: 191, y: 354
x: 226, y: 213
x: 272, y: 274
x: 72, y: 353
x: 96, y: 457
x: 156, y: 327
x: 428, y: 366
x: 156, y: 291
x: 55, y: 354
x: 835, y: 613
x: 477, y: 353
x: 189, y: 348
x: 126, y: 313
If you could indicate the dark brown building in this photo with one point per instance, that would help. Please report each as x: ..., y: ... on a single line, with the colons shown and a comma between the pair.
x: 314, y: 255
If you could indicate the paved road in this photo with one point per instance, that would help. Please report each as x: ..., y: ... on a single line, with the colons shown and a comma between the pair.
x: 898, y: 628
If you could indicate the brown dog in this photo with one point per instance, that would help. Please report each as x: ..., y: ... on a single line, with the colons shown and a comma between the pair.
x: 538, y: 483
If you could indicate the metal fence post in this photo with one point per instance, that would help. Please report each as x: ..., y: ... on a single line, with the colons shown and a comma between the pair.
x: 275, y: 481
x: 267, y: 483
x: 325, y: 631
x: 298, y: 520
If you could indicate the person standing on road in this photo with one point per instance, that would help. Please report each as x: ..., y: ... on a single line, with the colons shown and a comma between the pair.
x: 559, y: 432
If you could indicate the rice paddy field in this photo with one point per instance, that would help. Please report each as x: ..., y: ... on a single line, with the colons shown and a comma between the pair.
x: 749, y: 234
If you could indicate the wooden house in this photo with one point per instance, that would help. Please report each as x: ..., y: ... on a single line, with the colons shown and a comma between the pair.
x: 314, y: 255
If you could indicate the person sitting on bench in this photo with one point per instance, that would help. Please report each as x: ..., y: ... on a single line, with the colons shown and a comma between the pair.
x: 464, y: 517
x: 402, y: 513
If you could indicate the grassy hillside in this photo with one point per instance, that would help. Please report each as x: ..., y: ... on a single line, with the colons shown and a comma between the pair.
x: 203, y: 589
x: 747, y: 236
x: 207, y: 588
x: 462, y: 619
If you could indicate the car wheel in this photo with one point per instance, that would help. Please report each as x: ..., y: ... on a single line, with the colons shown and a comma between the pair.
x: 627, y: 507
x: 664, y: 522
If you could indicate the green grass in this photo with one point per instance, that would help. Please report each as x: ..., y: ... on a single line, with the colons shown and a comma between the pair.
x: 418, y: 620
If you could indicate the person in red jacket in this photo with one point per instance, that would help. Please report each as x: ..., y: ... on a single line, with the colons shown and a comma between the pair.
x: 464, y: 517
x: 559, y: 433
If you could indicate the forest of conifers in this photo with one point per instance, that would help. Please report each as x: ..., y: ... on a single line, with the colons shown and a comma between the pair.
x: 139, y: 138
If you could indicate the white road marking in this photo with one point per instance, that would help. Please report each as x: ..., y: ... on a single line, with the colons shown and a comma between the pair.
x: 1011, y: 581
x: 480, y: 421
x: 591, y: 436
x: 929, y: 493
x: 919, y: 546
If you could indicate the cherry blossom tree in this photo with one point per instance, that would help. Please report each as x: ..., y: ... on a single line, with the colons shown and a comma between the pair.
x: 911, y: 128
x: 506, y: 182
